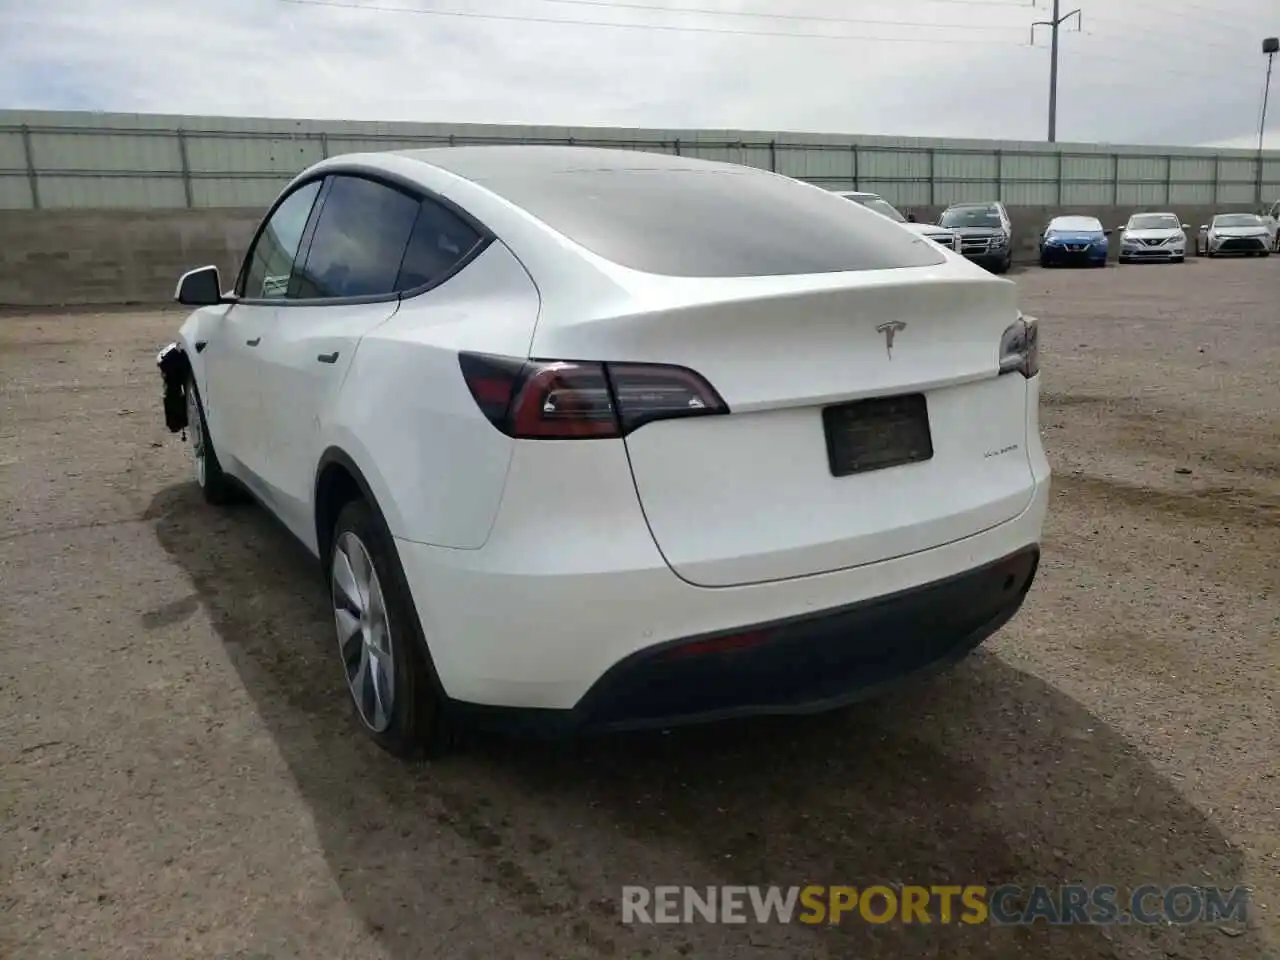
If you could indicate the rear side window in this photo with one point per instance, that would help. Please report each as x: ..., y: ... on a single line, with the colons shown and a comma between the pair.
x: 359, y: 242
x: 440, y: 239
x: 711, y: 222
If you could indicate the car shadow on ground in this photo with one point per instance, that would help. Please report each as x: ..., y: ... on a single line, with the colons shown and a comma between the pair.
x: 984, y: 775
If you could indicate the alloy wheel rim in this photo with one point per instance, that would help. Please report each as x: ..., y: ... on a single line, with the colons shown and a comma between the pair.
x: 196, y: 429
x: 364, y: 634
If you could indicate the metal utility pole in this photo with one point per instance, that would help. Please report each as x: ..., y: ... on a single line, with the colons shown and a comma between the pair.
x: 1269, y: 47
x: 1059, y: 18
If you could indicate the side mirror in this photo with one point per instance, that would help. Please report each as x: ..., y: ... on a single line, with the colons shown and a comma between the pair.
x: 1204, y: 226
x: 201, y: 287
x: 1186, y: 226
x: 1106, y: 233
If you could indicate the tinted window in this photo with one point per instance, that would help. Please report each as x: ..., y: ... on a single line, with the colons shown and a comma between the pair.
x: 971, y: 217
x: 439, y: 240
x: 708, y: 221
x: 1237, y: 220
x: 359, y: 241
x: 271, y: 261
x: 1154, y: 221
x: 882, y: 207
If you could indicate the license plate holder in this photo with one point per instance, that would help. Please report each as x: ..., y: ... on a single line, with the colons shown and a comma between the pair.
x: 877, y: 433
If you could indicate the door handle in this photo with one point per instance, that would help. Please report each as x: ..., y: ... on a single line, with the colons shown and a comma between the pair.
x: 328, y: 357
x: 254, y: 342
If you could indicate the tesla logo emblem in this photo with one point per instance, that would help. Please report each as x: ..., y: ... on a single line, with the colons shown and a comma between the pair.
x: 890, y: 329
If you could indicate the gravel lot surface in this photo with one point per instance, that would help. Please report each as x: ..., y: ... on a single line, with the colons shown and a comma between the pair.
x: 182, y: 777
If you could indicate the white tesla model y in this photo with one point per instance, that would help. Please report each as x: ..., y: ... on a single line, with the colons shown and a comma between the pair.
x: 605, y: 439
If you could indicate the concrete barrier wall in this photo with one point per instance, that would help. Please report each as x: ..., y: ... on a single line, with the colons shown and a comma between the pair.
x: 71, y: 257
x: 101, y: 257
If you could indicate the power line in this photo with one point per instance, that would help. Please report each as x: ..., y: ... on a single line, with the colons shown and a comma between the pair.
x: 712, y: 11
x: 381, y: 8
x: 1147, y: 71
x: 673, y: 28
x: 1160, y: 40
x: 1197, y: 23
x: 1183, y: 5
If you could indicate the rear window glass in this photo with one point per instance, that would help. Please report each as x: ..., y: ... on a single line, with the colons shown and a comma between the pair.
x: 711, y: 222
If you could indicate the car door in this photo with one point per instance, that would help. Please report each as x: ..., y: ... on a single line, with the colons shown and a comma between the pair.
x: 355, y: 267
x: 234, y: 399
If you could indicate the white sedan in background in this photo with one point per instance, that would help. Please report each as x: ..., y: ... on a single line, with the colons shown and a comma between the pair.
x: 1240, y: 234
x: 1153, y: 236
x: 591, y: 438
x: 873, y: 201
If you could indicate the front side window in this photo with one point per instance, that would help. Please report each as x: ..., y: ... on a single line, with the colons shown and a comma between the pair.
x: 359, y: 242
x: 271, y: 260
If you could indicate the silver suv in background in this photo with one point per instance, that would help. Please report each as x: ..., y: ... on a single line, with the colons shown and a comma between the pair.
x: 873, y: 201
x: 1153, y: 236
x: 986, y: 233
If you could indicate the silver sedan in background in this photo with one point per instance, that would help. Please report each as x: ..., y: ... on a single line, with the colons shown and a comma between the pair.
x: 1234, y: 233
x: 1153, y: 236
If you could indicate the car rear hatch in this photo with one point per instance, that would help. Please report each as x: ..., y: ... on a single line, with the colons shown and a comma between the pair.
x: 867, y: 419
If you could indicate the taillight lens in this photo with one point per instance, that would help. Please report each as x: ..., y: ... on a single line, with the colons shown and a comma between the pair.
x: 1020, y: 347
x: 571, y: 400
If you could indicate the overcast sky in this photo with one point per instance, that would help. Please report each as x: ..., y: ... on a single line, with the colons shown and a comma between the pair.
x: 1140, y: 71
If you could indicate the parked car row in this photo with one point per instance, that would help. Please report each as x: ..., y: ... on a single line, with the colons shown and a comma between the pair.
x: 983, y: 233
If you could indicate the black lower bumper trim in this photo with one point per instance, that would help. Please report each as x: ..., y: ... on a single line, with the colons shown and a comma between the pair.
x: 804, y: 664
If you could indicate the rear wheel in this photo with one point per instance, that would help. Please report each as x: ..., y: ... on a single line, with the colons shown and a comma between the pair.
x: 380, y: 643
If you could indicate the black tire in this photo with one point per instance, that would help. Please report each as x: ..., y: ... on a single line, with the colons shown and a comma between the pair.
x: 419, y: 725
x: 215, y: 485
x: 1003, y: 266
x: 1044, y: 263
x: 1265, y: 253
x: 1177, y: 259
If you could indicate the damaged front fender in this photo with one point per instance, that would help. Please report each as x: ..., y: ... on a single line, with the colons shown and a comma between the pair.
x: 175, y: 372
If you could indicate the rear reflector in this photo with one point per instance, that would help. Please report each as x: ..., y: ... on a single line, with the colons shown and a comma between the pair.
x: 573, y: 400
x: 698, y: 648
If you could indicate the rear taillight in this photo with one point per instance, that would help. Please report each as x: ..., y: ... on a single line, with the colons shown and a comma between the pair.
x: 572, y: 400
x: 1020, y: 347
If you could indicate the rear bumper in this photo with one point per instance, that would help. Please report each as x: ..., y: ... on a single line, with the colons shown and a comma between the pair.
x: 571, y: 584
x: 804, y: 664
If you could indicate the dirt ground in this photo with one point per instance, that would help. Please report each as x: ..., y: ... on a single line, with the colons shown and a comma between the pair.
x: 182, y: 776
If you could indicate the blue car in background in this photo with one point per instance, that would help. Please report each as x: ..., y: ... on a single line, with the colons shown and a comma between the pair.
x: 1079, y: 240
